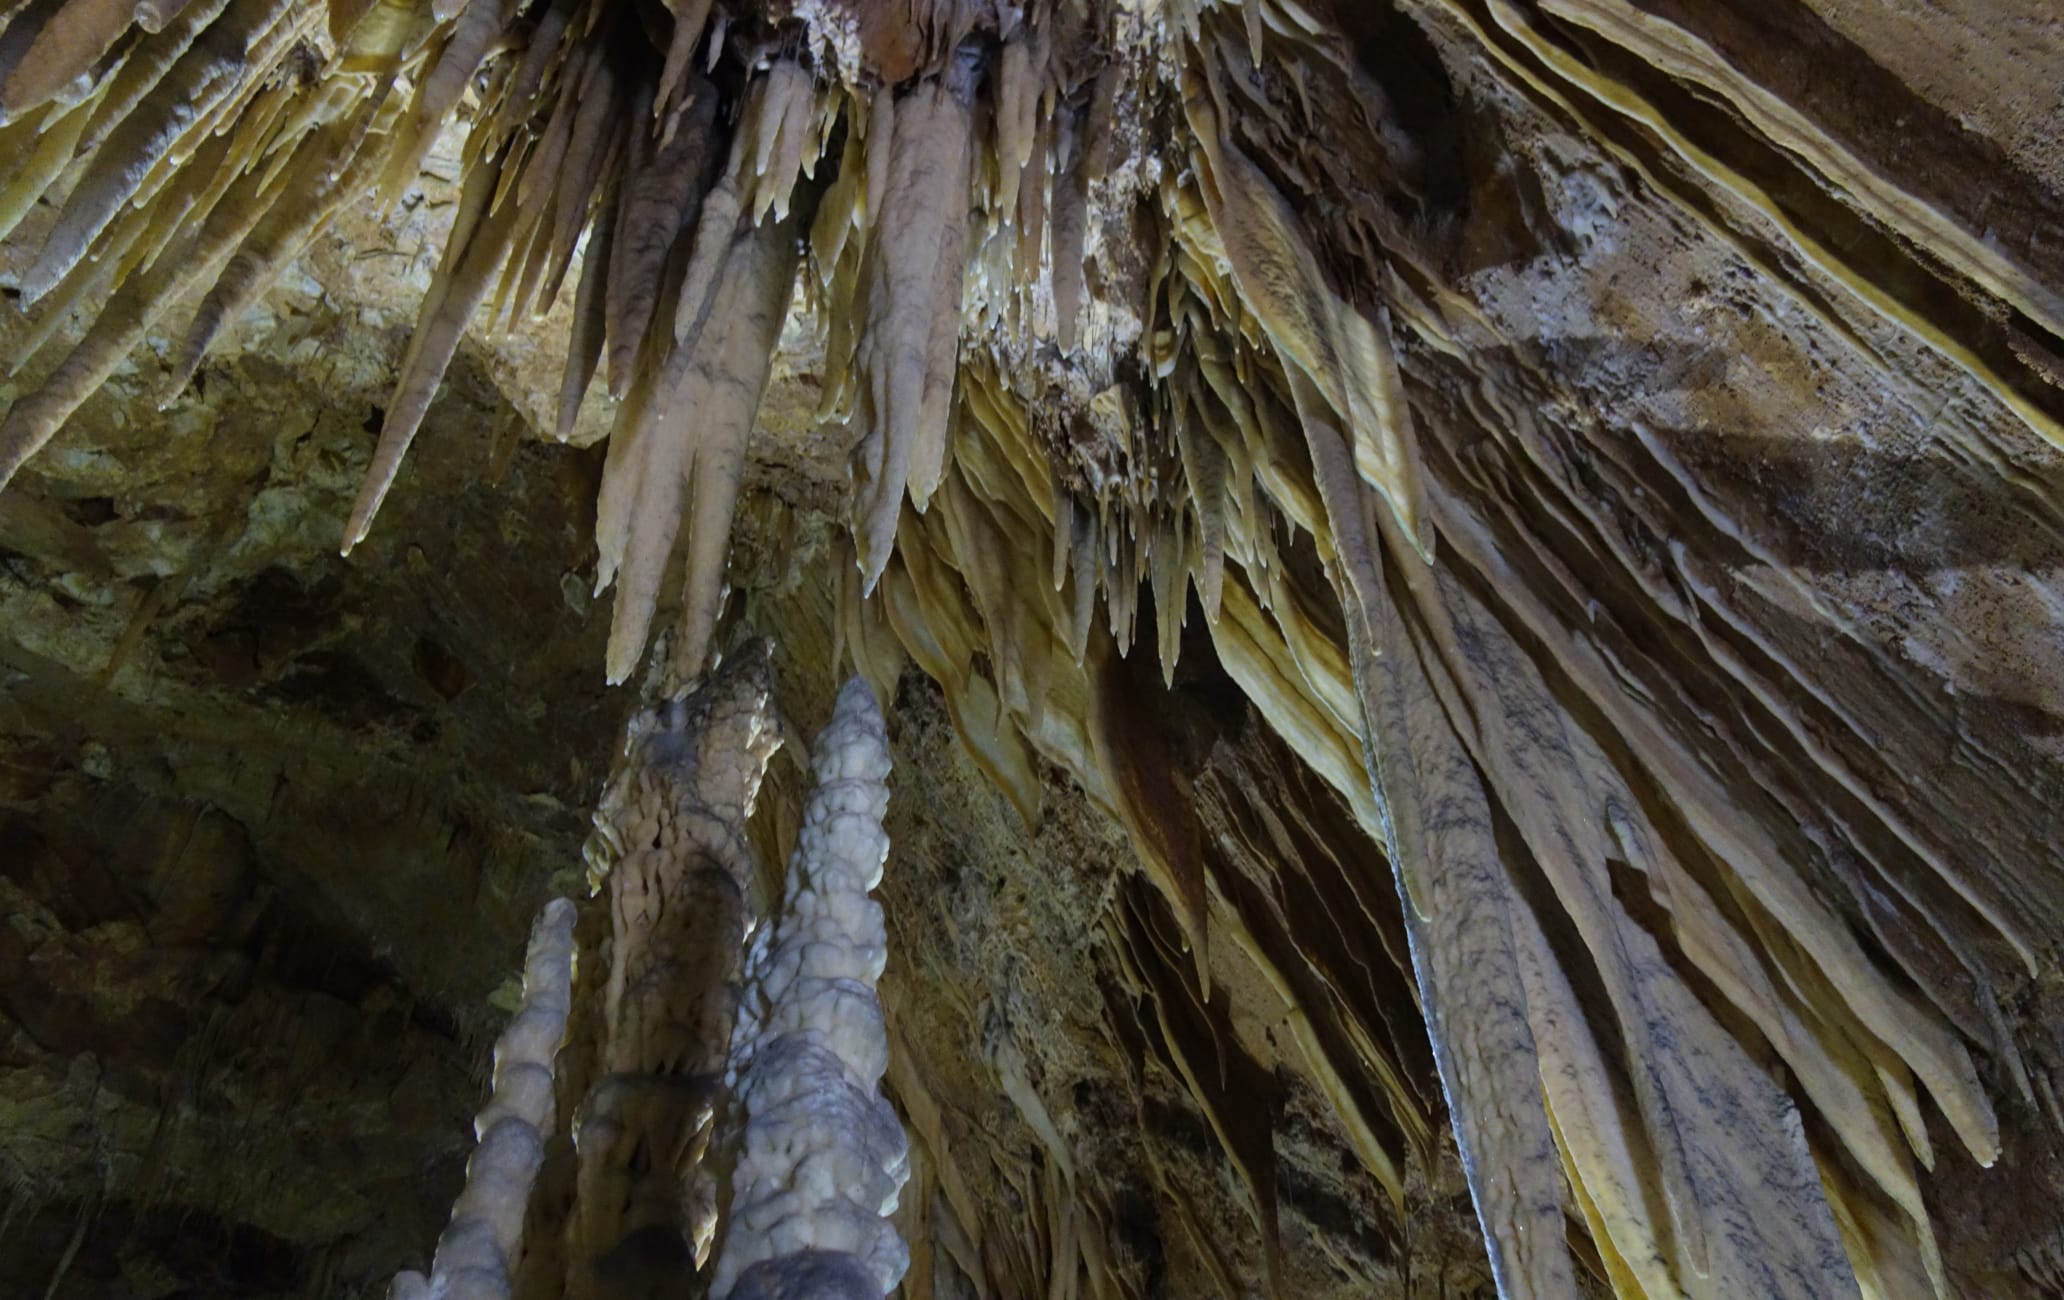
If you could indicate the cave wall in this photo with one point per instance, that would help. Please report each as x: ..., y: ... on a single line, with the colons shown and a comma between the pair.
x: 1736, y: 384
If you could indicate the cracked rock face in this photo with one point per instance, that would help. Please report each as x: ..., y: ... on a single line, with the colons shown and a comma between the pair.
x: 1476, y: 699
x: 236, y: 767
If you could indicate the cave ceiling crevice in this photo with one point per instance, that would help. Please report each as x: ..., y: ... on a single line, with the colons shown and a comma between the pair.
x: 1468, y: 597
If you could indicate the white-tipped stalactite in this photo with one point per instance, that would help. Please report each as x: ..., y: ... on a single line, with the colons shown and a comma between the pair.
x: 1697, y: 869
x: 479, y: 1245
x: 823, y: 1158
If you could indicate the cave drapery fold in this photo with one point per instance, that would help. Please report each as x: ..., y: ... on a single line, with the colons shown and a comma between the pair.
x: 1248, y: 418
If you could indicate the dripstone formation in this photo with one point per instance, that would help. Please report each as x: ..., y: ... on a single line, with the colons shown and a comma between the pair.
x: 1452, y: 610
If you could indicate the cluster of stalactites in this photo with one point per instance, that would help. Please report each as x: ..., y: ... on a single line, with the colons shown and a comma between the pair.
x: 894, y: 235
x: 822, y: 1158
x: 183, y: 151
x: 475, y: 1254
x: 200, y: 148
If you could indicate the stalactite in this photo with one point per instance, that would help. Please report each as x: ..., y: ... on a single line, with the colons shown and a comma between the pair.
x: 65, y: 48
x: 461, y: 284
x: 917, y: 200
x: 590, y: 320
x: 689, y: 475
x: 662, y: 195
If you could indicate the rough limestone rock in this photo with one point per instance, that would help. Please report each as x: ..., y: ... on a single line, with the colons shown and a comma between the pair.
x: 1466, y: 595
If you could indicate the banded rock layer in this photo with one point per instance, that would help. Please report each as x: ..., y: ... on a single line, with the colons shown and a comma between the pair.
x: 1491, y: 569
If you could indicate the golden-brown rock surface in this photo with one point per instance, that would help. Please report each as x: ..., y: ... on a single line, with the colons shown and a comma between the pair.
x: 1474, y: 652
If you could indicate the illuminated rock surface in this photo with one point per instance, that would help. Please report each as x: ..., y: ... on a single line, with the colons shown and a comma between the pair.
x: 1466, y: 592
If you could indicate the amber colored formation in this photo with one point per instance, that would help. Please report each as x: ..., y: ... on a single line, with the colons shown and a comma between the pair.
x: 1526, y: 530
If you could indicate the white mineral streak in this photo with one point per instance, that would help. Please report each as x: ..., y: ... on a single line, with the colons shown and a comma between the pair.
x: 823, y: 1157
x: 480, y: 1243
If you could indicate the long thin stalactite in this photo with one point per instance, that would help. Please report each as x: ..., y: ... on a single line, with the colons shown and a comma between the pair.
x: 1721, y: 1099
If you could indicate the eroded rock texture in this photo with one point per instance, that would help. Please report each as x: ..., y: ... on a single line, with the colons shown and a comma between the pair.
x: 1466, y: 593
x: 220, y: 858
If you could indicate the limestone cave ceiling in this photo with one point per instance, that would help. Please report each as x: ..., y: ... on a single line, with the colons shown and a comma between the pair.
x: 1467, y: 595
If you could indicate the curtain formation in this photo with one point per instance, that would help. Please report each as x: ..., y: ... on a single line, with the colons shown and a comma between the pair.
x: 1108, y: 307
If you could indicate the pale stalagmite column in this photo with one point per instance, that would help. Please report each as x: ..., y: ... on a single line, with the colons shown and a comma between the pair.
x: 478, y: 1246
x: 823, y: 1157
x: 680, y: 901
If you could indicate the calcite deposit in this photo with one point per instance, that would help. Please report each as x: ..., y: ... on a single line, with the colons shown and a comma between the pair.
x: 1465, y: 595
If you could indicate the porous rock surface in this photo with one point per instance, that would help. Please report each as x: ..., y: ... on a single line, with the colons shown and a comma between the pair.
x: 272, y: 823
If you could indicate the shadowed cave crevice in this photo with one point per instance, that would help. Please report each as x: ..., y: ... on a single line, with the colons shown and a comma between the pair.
x: 1449, y: 611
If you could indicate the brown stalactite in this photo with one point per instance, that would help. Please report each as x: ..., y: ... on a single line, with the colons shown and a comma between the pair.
x: 1595, y: 832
